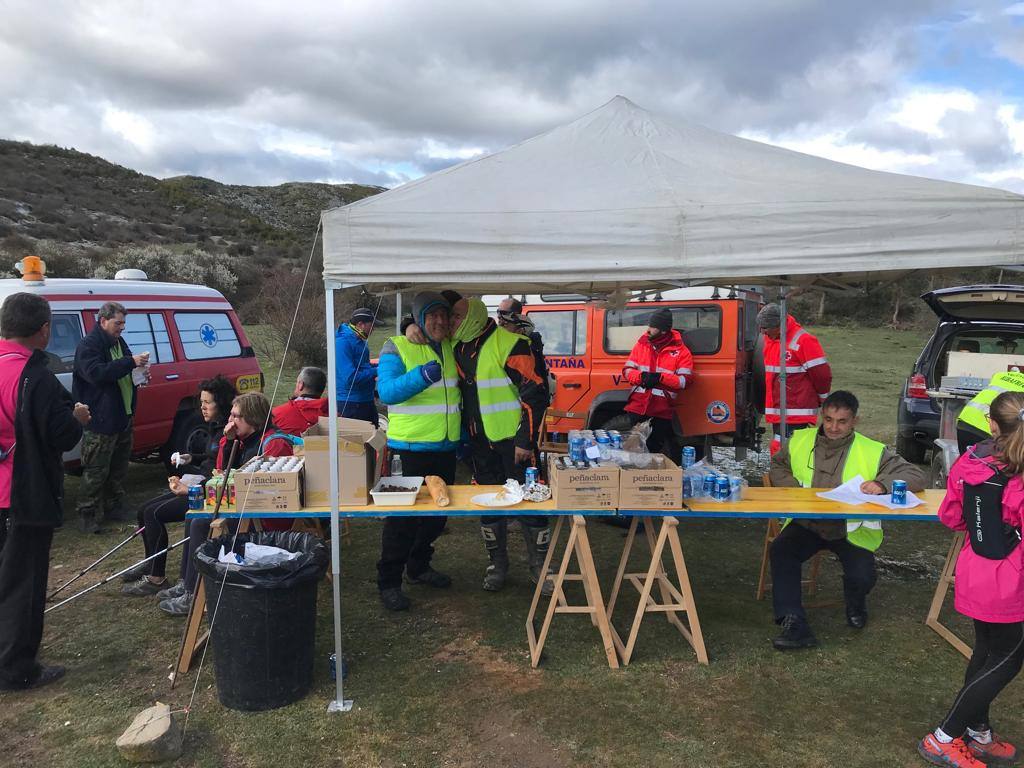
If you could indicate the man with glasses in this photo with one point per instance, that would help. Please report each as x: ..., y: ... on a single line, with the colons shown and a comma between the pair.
x: 824, y: 457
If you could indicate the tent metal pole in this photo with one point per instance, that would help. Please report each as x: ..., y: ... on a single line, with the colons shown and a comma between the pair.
x: 782, y: 367
x: 339, y: 704
x: 398, y: 314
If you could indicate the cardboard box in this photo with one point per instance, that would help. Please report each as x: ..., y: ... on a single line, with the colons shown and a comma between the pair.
x: 584, y: 488
x: 655, y: 489
x: 268, y: 491
x: 359, y: 444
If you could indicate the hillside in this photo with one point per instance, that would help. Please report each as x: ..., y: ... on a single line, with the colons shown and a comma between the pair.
x: 69, y: 197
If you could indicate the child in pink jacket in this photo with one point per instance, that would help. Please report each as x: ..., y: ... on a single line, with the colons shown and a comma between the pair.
x: 990, y: 591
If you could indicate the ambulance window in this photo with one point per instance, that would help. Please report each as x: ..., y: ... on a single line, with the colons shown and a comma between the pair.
x: 207, y: 335
x: 701, y: 327
x: 65, y: 334
x: 564, y: 332
x: 146, y: 332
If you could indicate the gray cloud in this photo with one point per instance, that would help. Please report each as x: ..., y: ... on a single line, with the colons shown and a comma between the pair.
x: 230, y: 88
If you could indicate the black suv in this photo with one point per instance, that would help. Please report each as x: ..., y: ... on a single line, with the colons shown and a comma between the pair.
x: 972, y: 318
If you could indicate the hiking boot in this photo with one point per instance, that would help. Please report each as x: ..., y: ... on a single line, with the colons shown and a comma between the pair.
x: 431, y: 578
x: 537, y: 539
x: 172, y: 592
x: 857, y: 619
x: 143, y: 587
x: 142, y: 569
x: 177, y: 606
x: 393, y: 599
x: 45, y: 676
x: 495, y: 537
x: 88, y: 524
x: 795, y: 634
x: 955, y: 754
x: 995, y: 752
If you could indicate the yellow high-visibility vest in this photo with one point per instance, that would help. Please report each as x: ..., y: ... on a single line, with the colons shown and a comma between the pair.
x: 435, y: 414
x: 975, y: 413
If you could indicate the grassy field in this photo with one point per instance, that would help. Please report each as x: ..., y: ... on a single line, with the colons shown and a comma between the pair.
x: 449, y: 683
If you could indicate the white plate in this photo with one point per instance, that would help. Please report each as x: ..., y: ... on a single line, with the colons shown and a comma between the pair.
x: 492, y: 500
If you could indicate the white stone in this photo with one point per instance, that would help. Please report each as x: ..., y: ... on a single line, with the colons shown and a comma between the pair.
x: 153, y: 737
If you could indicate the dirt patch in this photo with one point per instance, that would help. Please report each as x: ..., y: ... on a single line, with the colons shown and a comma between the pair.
x: 502, y: 673
x: 501, y: 740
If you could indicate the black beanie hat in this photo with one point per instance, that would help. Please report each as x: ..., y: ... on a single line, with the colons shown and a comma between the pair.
x: 451, y: 296
x: 661, y: 319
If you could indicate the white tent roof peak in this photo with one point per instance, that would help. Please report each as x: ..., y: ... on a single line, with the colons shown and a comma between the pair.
x: 624, y: 197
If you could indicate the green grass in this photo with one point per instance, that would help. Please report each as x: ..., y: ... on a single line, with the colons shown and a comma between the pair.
x: 450, y: 684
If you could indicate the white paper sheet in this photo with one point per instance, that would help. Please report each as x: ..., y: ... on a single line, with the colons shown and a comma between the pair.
x: 850, y: 493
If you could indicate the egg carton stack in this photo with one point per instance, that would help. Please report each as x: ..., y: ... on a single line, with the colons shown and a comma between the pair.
x: 270, y: 484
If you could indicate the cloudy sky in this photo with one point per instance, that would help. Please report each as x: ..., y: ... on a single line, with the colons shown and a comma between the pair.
x: 381, y: 91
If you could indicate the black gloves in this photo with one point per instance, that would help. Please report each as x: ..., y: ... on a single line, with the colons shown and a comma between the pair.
x: 649, y: 380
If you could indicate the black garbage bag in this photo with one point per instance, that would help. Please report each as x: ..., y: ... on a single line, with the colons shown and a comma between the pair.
x: 264, y: 630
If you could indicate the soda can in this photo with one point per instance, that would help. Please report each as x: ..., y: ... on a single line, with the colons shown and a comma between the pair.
x: 710, y: 480
x: 195, y: 497
x: 577, y: 446
x: 735, y: 488
x: 689, y: 456
x: 722, y: 488
x: 532, y: 476
x: 899, y: 492
x: 616, y: 437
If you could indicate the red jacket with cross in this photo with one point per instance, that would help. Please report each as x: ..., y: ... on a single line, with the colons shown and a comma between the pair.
x: 808, y: 376
x: 666, y: 355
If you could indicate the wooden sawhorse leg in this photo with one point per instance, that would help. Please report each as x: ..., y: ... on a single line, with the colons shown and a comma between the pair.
x: 579, y: 544
x: 946, y: 580
x: 673, y: 601
x: 193, y: 641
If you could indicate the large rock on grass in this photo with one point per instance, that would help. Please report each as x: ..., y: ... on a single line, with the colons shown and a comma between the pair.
x: 153, y: 737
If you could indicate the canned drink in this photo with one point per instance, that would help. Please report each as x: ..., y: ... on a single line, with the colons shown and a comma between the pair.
x: 722, y: 488
x: 899, y: 492
x: 532, y: 476
x: 689, y: 456
x: 577, y: 446
x: 196, y: 497
x: 616, y: 437
x: 735, y: 488
x: 710, y: 480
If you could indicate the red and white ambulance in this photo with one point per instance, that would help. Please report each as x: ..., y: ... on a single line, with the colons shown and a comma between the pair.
x: 190, y: 331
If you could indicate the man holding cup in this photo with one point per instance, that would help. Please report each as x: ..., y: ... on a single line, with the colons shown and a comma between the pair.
x: 106, y: 377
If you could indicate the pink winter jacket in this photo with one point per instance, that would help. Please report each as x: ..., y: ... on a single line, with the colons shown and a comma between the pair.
x: 987, y: 590
x: 13, y: 357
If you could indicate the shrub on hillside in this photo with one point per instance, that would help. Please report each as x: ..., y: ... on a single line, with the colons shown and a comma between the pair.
x: 163, y: 264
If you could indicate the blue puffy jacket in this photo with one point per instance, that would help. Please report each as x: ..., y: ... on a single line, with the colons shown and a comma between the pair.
x: 396, y: 385
x: 353, y: 370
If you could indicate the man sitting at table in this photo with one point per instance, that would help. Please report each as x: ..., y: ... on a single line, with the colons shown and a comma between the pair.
x: 824, y: 457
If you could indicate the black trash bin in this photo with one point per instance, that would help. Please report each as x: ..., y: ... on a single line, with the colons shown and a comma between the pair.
x: 265, y: 627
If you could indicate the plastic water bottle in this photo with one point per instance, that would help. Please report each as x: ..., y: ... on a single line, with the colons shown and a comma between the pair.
x: 396, y: 465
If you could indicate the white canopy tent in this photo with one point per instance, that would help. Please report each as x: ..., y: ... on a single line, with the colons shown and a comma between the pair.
x: 622, y: 200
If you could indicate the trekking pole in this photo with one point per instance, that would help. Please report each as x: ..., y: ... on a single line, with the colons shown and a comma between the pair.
x: 114, y: 576
x: 84, y: 571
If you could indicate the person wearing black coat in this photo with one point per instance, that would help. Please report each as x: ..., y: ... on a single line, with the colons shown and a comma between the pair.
x: 103, y: 380
x: 46, y: 423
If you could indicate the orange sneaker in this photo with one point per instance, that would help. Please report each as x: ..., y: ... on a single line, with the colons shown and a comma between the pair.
x: 996, y: 752
x: 955, y: 754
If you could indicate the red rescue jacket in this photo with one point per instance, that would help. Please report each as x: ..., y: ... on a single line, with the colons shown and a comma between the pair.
x: 808, y: 376
x: 666, y: 355
x: 298, y: 414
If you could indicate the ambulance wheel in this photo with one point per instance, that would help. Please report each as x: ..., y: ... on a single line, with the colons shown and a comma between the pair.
x: 190, y: 434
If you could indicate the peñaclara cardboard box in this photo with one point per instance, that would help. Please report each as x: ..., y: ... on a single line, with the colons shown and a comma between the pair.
x: 596, y: 488
x: 359, y: 444
x: 268, y: 491
x: 651, y: 488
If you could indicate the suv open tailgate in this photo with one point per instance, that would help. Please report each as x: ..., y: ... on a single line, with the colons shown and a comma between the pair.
x: 993, y: 303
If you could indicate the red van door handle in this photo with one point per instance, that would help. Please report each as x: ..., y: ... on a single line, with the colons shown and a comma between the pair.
x: 572, y: 386
x: 172, y: 376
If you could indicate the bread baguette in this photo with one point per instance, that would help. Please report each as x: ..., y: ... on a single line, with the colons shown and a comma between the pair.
x: 438, y: 490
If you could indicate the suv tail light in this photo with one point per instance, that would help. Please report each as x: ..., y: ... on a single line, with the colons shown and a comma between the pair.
x: 917, y: 387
